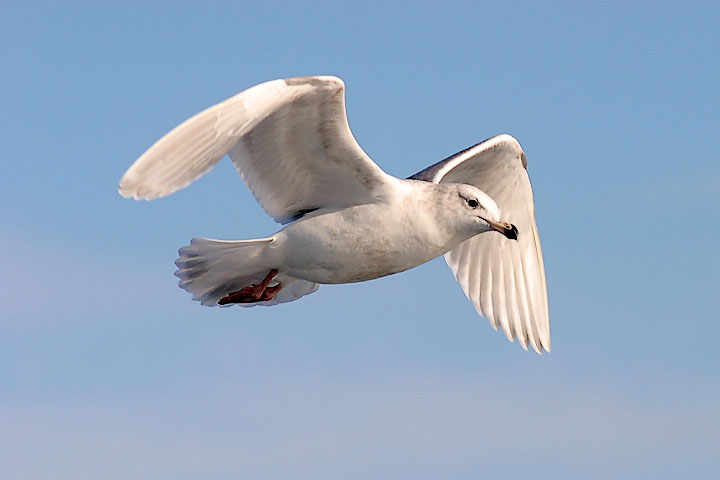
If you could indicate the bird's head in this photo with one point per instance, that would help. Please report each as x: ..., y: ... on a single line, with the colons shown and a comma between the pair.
x: 474, y: 212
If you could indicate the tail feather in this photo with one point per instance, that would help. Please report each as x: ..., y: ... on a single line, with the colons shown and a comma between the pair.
x: 211, y: 269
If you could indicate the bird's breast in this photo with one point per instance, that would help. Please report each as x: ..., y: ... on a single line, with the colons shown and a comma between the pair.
x: 360, y: 243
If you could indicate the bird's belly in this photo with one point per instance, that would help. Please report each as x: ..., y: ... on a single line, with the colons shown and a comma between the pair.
x: 355, y: 245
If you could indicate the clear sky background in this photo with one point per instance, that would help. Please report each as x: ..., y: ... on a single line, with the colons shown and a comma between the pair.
x: 108, y: 370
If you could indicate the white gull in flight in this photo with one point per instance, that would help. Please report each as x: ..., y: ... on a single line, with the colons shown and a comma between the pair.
x: 347, y: 220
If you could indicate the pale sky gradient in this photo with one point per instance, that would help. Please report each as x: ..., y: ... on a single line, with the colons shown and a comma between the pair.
x: 108, y: 370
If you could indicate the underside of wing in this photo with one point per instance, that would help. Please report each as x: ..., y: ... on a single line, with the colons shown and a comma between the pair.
x: 303, y: 155
x: 505, y: 279
x: 289, y: 140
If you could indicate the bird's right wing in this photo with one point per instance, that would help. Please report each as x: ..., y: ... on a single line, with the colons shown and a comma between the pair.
x: 289, y: 140
x: 505, y: 279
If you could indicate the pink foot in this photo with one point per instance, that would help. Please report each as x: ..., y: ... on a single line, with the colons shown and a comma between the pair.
x: 262, y: 286
x: 254, y: 293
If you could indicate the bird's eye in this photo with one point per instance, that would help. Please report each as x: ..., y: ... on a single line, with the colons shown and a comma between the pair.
x: 472, y: 203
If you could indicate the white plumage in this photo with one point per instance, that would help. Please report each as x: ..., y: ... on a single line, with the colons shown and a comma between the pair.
x: 504, y: 279
x: 348, y: 220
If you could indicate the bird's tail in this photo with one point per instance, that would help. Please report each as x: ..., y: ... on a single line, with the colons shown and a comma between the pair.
x: 211, y: 269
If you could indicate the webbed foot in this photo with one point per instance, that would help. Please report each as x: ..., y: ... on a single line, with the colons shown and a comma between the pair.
x: 254, y: 293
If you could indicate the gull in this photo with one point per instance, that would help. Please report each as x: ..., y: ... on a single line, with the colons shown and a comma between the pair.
x: 346, y: 220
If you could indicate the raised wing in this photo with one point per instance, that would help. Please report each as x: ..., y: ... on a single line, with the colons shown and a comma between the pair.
x: 289, y: 140
x: 505, y: 279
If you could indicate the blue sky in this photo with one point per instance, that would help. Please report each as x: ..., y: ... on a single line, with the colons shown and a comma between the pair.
x: 108, y: 370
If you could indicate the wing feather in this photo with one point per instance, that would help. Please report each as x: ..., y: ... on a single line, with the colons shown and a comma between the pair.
x: 288, y: 139
x: 505, y: 279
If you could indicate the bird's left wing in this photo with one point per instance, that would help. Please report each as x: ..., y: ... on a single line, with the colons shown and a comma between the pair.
x: 505, y: 279
x: 289, y: 140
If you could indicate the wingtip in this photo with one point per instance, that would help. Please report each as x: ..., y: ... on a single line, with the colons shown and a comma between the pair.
x: 543, y: 346
x: 127, y: 188
x: 124, y: 192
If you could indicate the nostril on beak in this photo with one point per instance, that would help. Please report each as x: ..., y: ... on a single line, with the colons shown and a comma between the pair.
x: 511, y: 232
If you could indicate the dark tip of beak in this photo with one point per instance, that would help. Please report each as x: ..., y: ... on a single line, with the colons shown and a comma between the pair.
x: 511, y: 232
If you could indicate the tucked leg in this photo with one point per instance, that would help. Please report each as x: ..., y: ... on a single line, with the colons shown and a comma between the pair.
x: 254, y: 293
x: 270, y: 292
x: 262, y: 286
x: 244, y: 295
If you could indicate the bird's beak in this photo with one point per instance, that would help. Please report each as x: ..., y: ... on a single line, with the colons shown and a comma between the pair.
x: 508, y: 229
